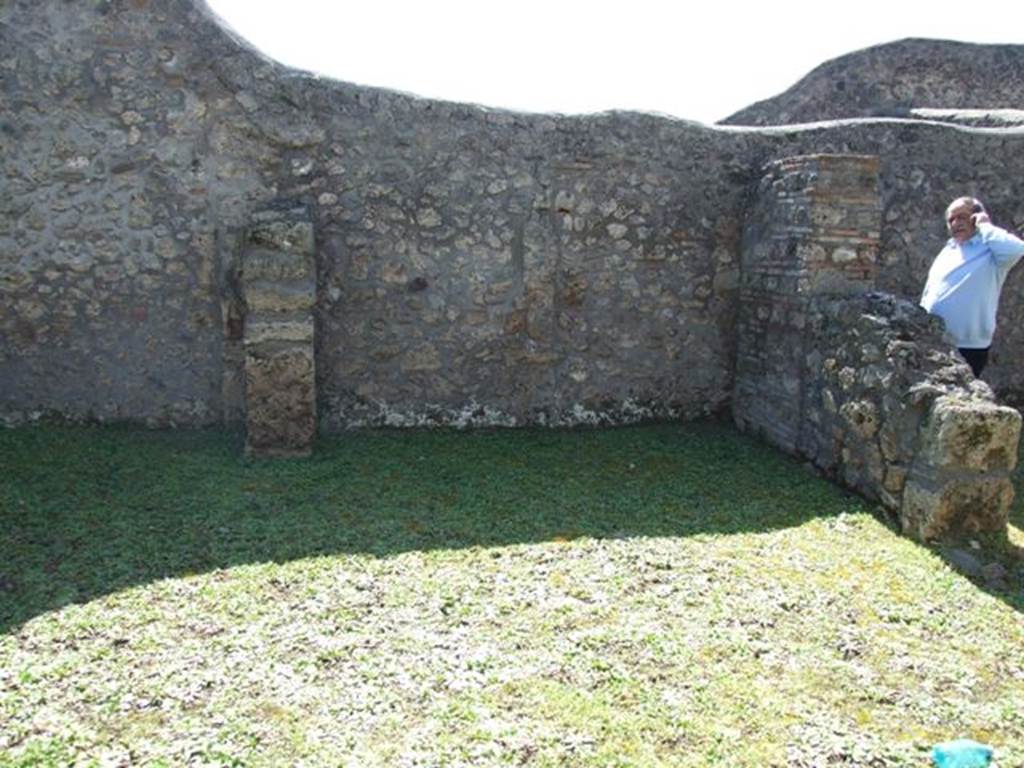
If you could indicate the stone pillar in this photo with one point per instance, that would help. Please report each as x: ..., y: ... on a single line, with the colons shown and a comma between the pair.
x: 813, y: 230
x: 278, y: 281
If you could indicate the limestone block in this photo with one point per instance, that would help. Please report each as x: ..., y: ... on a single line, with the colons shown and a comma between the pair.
x: 932, y: 510
x: 283, y: 236
x: 263, y: 265
x: 280, y: 297
x: 281, y: 402
x: 970, y: 434
x: 259, y: 331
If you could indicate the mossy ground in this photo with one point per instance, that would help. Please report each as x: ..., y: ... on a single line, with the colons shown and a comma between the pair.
x: 658, y: 595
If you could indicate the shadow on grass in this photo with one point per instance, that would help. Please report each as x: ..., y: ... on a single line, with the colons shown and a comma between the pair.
x: 86, y: 511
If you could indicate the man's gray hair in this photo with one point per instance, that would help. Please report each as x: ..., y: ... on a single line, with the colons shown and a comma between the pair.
x: 975, y: 203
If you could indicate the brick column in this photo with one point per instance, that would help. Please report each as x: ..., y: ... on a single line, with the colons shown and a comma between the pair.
x: 813, y: 230
x: 278, y: 280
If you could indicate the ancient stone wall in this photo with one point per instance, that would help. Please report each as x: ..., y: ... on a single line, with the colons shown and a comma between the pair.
x: 472, y: 266
x: 860, y: 383
x: 892, y: 412
x: 112, y: 145
x: 531, y: 271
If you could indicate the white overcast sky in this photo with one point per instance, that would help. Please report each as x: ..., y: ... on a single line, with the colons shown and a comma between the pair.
x: 697, y: 60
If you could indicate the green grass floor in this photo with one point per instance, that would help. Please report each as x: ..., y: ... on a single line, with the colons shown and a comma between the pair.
x: 656, y: 595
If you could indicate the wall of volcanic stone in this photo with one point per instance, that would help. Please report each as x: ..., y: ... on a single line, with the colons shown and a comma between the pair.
x: 473, y: 266
x: 860, y: 382
x: 120, y: 156
x: 890, y: 411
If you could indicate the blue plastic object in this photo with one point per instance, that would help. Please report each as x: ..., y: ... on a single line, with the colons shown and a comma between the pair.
x: 962, y: 753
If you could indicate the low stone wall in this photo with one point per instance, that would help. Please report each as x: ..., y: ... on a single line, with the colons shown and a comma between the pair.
x: 892, y: 412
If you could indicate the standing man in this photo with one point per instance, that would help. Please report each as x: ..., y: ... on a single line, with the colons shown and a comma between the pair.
x: 967, y: 276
